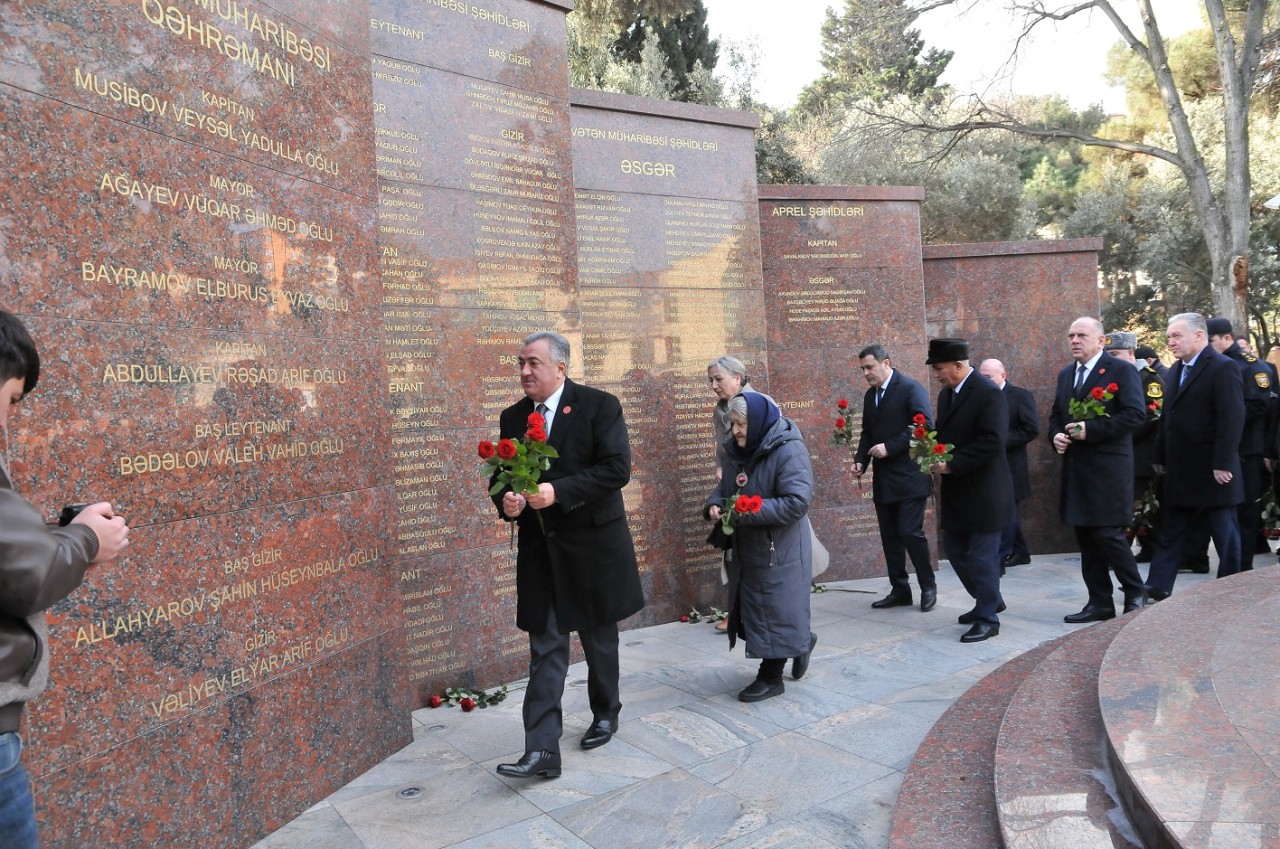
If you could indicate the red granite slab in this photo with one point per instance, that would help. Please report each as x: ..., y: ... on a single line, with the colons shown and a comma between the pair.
x: 1014, y: 301
x: 223, y: 777
x: 136, y: 227
x: 818, y: 232
x: 1047, y: 758
x: 1189, y: 699
x: 170, y: 426
x: 230, y: 85
x: 513, y: 42
x: 947, y: 800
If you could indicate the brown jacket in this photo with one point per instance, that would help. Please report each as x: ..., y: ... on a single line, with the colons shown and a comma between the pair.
x: 39, y: 566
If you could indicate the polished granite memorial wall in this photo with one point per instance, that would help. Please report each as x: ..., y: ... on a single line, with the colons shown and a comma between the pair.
x: 842, y: 270
x: 1014, y: 301
x: 669, y: 278
x: 188, y: 227
x: 476, y: 251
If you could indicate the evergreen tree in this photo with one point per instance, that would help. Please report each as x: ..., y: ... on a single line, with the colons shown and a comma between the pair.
x: 684, y: 40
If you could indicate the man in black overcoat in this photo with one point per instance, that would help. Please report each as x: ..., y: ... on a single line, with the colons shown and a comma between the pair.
x: 1096, y: 495
x: 1024, y: 427
x: 576, y: 567
x: 1198, y: 452
x: 1123, y: 346
x: 898, y: 488
x: 977, y: 492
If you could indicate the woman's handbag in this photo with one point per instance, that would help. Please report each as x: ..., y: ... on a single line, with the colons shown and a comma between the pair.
x: 821, y: 557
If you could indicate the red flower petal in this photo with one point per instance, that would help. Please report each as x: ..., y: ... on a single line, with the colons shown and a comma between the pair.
x: 842, y: 404
x: 486, y: 450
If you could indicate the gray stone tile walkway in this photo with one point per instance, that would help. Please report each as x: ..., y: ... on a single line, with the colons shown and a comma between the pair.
x: 691, y: 766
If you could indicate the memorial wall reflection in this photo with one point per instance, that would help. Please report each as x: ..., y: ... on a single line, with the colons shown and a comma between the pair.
x: 669, y: 270
x: 476, y: 251
x: 844, y: 271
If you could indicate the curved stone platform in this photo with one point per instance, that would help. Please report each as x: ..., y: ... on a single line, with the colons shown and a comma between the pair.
x: 1190, y: 697
x: 1051, y: 782
x: 947, y: 799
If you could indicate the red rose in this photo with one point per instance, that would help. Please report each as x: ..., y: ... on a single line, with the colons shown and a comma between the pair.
x: 939, y: 449
x: 486, y: 450
x: 842, y: 404
x: 684, y: 617
x: 1111, y: 387
x: 1152, y: 406
x: 506, y: 449
x: 1097, y: 393
x: 756, y: 503
x: 467, y: 705
x: 918, y: 418
x: 839, y: 424
x: 536, y: 420
x: 435, y: 701
x: 537, y: 434
x: 919, y: 433
x: 743, y: 504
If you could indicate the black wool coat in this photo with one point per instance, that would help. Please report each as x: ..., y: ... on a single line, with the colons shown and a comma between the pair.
x: 584, y: 559
x: 1200, y: 432
x: 977, y: 495
x: 897, y: 478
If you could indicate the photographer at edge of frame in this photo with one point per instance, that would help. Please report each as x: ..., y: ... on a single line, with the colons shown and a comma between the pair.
x: 40, y: 565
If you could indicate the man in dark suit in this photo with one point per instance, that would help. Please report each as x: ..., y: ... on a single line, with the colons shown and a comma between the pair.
x: 576, y: 567
x: 1096, y: 443
x: 1122, y: 345
x: 1256, y: 383
x: 1198, y: 452
x: 977, y: 492
x: 898, y: 488
x: 1024, y: 426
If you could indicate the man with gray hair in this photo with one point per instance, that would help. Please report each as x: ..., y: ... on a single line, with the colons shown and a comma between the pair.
x: 1198, y: 452
x: 576, y: 567
x: 1096, y: 408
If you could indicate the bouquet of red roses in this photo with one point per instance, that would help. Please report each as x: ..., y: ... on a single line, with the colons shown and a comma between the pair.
x: 843, y: 433
x: 519, y: 463
x: 1092, y: 405
x: 737, y: 504
x: 925, y: 448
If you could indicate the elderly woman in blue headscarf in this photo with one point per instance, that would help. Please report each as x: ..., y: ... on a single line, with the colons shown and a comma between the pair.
x: 765, y: 461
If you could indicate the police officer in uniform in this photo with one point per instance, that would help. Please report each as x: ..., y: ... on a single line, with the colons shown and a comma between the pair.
x: 1256, y: 376
x: 1122, y: 345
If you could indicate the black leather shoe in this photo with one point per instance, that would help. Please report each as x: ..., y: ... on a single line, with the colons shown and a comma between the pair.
x: 979, y: 632
x: 928, y: 600
x: 1136, y: 602
x: 545, y: 764
x: 600, y: 732
x: 1154, y: 595
x: 892, y: 600
x: 1200, y: 567
x: 1017, y: 560
x: 972, y: 616
x: 1090, y: 614
x: 1143, y: 556
x: 758, y: 691
x: 800, y: 665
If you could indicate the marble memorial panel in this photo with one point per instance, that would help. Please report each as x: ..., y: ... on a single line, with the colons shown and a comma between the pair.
x: 844, y: 234
x: 512, y: 42
x: 223, y: 777
x: 153, y: 231
x: 208, y: 608
x: 173, y: 426
x: 225, y: 76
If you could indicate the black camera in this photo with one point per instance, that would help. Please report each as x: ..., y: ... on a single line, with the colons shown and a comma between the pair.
x: 68, y: 513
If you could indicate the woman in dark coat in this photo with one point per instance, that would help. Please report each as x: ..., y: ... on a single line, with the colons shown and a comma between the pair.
x: 769, y: 584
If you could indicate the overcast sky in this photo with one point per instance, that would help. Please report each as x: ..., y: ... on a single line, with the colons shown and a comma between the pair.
x: 1067, y: 59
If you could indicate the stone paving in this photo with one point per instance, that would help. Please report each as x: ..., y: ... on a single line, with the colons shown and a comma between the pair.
x: 691, y: 766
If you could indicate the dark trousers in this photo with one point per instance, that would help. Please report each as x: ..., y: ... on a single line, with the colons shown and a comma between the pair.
x: 1103, y: 549
x: 1249, y: 514
x: 1179, y: 522
x: 976, y: 559
x: 1011, y: 540
x: 548, y: 666
x: 902, y: 534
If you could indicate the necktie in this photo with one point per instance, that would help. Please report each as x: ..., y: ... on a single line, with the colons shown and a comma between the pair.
x: 879, y: 396
x: 543, y: 409
x: 1081, y: 371
x: 1186, y: 372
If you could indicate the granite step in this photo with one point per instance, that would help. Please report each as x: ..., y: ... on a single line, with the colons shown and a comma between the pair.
x: 1052, y: 785
x: 1190, y: 698
x: 947, y: 799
